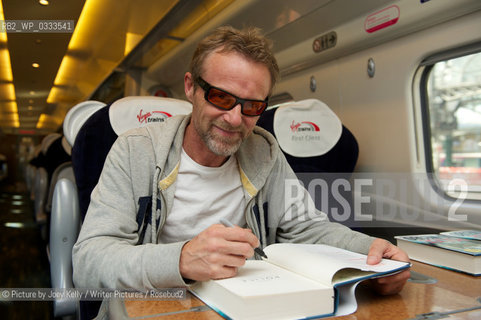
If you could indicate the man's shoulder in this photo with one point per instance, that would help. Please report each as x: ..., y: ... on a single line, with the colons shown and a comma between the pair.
x: 260, y: 147
x: 262, y: 141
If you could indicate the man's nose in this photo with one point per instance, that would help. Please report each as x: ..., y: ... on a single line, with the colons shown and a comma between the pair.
x: 234, y: 116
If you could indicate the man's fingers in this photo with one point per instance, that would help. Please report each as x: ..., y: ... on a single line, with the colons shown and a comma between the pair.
x: 220, y: 259
x: 401, y: 276
x: 377, y: 251
x: 392, y: 284
x: 238, y: 234
x: 224, y: 272
x: 217, y: 252
x: 220, y: 240
x: 381, y: 248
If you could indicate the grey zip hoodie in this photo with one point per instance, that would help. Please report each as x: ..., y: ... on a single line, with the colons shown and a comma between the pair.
x: 117, y: 246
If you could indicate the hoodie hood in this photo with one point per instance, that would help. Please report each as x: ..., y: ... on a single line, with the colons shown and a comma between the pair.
x: 255, y: 173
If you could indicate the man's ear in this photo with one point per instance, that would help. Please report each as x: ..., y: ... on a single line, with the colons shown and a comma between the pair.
x: 189, y: 86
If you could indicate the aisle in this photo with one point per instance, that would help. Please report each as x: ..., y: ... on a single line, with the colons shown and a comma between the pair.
x: 23, y: 258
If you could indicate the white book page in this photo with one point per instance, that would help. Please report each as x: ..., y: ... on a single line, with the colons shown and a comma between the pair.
x: 258, y: 278
x: 320, y: 262
x: 347, y: 299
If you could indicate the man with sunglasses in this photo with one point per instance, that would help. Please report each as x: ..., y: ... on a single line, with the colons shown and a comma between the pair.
x: 212, y: 165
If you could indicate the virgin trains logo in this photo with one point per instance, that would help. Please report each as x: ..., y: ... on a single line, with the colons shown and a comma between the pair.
x: 304, y: 131
x: 153, y: 116
x: 304, y: 126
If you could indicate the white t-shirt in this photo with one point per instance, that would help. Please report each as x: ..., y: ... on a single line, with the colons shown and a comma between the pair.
x: 203, y: 196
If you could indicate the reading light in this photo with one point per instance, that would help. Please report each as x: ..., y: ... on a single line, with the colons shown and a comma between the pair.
x: 43, y: 2
x: 35, y: 65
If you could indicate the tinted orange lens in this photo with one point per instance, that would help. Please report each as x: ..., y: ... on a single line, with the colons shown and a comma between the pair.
x: 221, y: 99
x: 254, y: 108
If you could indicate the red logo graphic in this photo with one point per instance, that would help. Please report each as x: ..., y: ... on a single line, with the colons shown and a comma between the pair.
x: 149, y: 116
x: 304, y: 126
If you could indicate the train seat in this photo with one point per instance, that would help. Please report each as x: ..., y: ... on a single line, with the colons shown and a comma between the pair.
x: 312, y: 137
x: 96, y: 137
x: 64, y: 229
x: 59, y: 153
x: 65, y: 216
x: 41, y: 178
x: 318, y: 147
x: 62, y: 152
x: 31, y: 171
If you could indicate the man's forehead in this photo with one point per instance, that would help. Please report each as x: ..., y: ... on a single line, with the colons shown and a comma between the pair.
x: 217, y: 62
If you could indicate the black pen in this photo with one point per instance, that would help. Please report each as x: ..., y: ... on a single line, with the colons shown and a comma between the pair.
x: 258, y: 250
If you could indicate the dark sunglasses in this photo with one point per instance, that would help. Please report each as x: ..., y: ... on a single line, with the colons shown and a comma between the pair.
x: 226, y: 101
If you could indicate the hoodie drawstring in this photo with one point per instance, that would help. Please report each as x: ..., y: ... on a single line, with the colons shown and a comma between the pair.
x: 154, y: 214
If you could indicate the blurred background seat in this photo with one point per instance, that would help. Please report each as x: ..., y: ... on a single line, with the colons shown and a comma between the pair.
x: 65, y: 214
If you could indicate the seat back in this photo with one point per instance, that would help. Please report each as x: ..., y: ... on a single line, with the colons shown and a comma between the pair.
x: 32, y: 170
x: 41, y: 177
x: 65, y: 213
x: 320, y: 150
x: 97, y: 136
x: 100, y: 131
x: 64, y: 229
x: 58, y: 156
x: 40, y: 194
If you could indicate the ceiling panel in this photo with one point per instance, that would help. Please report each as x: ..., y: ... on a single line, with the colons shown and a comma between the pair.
x: 32, y: 85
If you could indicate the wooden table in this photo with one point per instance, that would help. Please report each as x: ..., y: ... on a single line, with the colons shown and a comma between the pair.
x: 452, y: 292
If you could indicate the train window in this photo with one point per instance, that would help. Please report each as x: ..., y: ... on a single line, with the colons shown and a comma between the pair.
x: 453, y: 101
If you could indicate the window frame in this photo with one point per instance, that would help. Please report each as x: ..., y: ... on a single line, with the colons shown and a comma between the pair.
x: 425, y: 69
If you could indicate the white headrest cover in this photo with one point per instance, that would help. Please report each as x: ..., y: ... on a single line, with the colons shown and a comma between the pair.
x: 77, y: 116
x: 306, y: 128
x: 133, y: 112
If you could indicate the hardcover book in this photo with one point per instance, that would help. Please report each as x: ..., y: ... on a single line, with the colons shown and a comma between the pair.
x: 466, y: 234
x: 446, y: 251
x: 297, y: 281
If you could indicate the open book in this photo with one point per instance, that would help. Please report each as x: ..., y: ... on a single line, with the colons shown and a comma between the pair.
x: 296, y: 281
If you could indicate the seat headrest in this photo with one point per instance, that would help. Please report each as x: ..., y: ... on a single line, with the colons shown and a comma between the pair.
x: 48, y: 140
x: 77, y: 116
x: 306, y: 128
x: 133, y: 112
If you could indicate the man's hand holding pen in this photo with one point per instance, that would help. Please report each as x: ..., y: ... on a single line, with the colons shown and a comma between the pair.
x: 217, y: 252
